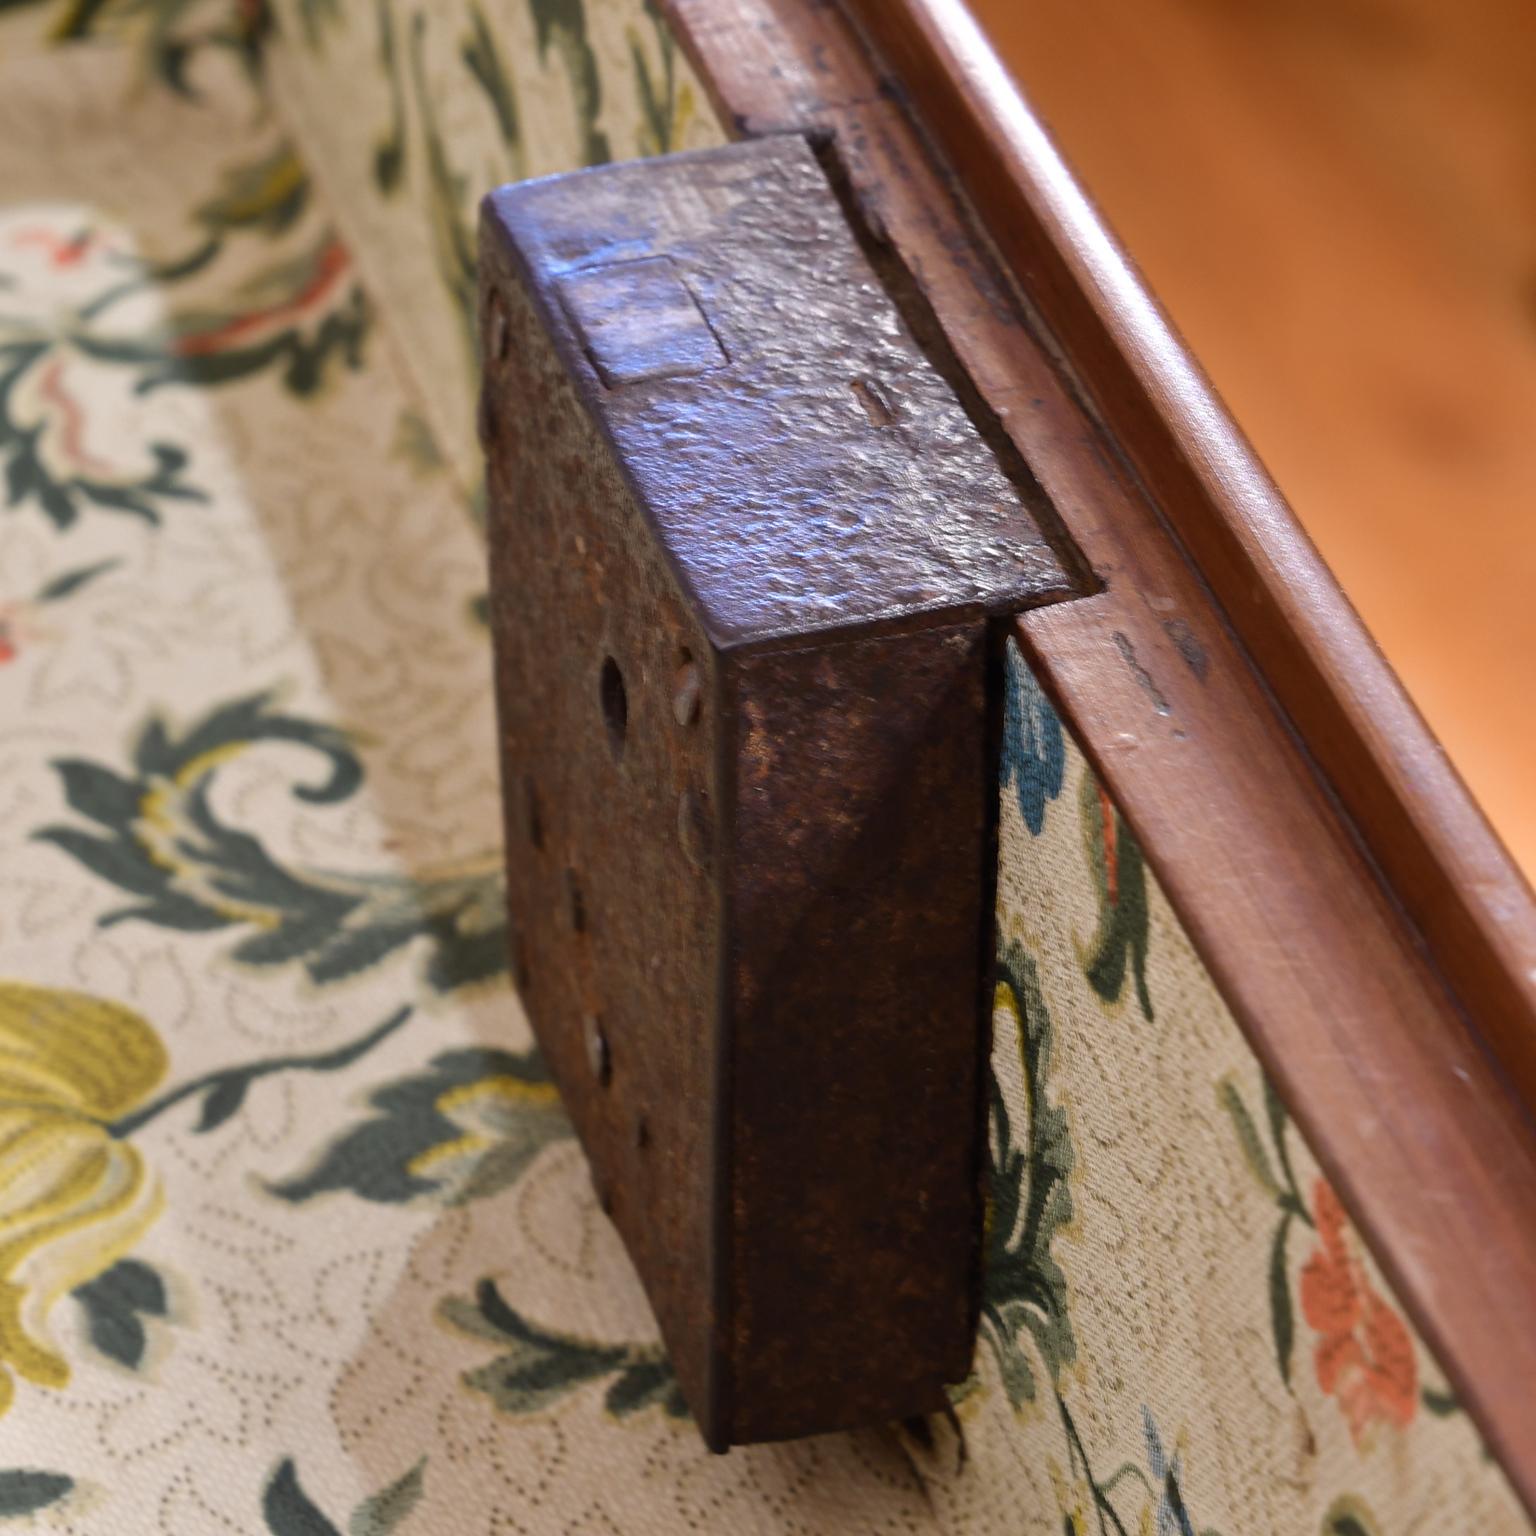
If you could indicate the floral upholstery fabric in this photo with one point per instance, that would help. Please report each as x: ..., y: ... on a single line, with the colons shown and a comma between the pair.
x: 1181, y: 1331
x: 411, y: 110
x: 293, y: 1234
x: 294, y: 1237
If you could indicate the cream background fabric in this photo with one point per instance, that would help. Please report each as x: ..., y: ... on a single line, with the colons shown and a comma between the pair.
x: 293, y: 1236
x: 1162, y: 1265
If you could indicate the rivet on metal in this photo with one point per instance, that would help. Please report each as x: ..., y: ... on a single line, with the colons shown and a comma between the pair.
x: 599, y: 1058
x: 500, y: 330
x: 686, y: 693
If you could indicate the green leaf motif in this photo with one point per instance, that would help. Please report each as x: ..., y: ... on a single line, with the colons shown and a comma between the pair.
x: 24, y: 1491
x: 1024, y: 1289
x: 158, y: 838
x: 329, y: 320
x: 223, y: 1100
x: 1248, y: 1137
x: 1349, y: 1516
x: 665, y: 106
x: 380, y: 1514
x: 266, y: 194
x: 538, y: 1367
x: 289, y: 1511
x: 176, y: 33
x: 1034, y: 756
x: 295, y: 314
x: 63, y: 498
x: 466, y: 1127
x: 483, y: 60
x: 1282, y: 1316
x: 1275, y: 1113
x: 72, y: 581
x: 453, y: 235
x: 389, y: 148
x: 562, y: 25
x: 1120, y: 877
x: 1280, y: 1186
x: 116, y: 1303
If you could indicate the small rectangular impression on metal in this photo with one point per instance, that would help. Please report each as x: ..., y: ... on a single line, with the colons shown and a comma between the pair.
x: 638, y: 321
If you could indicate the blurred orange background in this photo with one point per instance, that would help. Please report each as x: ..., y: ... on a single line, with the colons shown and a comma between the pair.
x: 1336, y: 202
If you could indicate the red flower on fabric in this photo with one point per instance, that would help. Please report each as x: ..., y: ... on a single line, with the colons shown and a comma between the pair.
x: 61, y: 251
x: 330, y: 265
x: 1364, y: 1354
x: 13, y: 630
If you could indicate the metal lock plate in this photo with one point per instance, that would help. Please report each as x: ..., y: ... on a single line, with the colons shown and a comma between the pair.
x: 745, y: 546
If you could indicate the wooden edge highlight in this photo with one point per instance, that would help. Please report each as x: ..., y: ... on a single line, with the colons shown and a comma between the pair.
x: 1472, y: 906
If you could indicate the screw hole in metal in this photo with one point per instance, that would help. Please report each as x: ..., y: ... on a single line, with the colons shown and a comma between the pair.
x: 615, y: 703
x: 694, y: 829
x: 533, y: 818
x: 877, y: 404
x: 599, y: 1059
x: 687, y: 688
x: 500, y: 330
x: 575, y: 901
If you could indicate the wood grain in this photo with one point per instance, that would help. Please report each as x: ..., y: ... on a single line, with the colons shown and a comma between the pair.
x: 1473, y: 909
x: 1332, y: 984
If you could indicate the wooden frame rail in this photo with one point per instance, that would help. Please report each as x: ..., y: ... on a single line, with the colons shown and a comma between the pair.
x: 1471, y: 903
x: 1362, y: 921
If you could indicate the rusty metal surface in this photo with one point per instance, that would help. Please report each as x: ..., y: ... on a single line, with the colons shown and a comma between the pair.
x: 744, y: 545
x: 859, y: 489
x: 859, y: 890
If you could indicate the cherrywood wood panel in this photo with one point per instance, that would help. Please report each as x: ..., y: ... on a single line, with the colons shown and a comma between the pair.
x: 1473, y: 908
x: 1408, y: 1112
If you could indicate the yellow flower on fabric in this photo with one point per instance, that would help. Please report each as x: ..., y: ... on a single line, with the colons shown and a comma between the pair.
x: 502, y: 1121
x: 74, y: 1198
x: 1073, y: 1497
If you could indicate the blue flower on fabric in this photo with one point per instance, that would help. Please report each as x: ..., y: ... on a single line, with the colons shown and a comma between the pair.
x: 1171, y: 1518
x: 1034, y: 751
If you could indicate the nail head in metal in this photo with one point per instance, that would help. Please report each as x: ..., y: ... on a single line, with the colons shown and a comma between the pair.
x: 500, y: 330
x: 686, y: 694
x: 599, y: 1058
